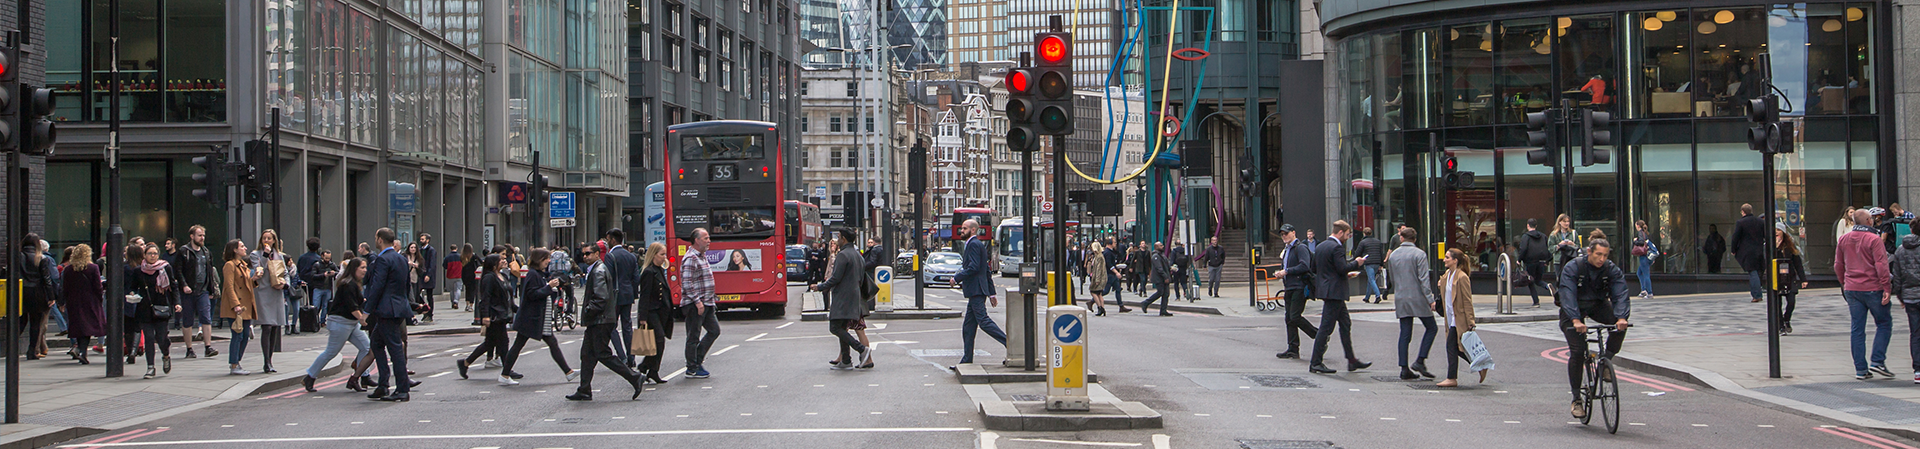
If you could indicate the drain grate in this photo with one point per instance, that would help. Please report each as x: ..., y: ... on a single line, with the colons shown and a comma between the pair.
x: 1028, y: 397
x: 1274, y: 381
x: 1286, y: 444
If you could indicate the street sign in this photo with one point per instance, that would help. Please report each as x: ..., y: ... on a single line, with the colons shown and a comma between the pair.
x: 560, y: 205
x: 883, y: 277
x: 1067, y: 328
x: 820, y: 192
x: 1046, y: 206
x: 1067, y: 375
x: 561, y: 223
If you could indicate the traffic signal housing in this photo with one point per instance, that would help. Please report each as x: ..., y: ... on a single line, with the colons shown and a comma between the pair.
x: 256, y: 182
x: 1452, y: 176
x: 1768, y: 135
x: 213, y: 181
x: 917, y: 168
x: 9, y: 91
x: 1054, y: 105
x: 1543, y: 132
x: 1021, y: 135
x: 1594, y: 131
x: 36, y: 131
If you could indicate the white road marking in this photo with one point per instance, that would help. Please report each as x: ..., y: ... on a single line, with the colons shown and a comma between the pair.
x: 443, y: 373
x: 1162, y: 441
x: 812, y: 413
x: 1077, y: 443
x: 539, y: 391
x: 1263, y: 416
x: 619, y: 417
x: 874, y: 413
x: 293, y: 424
x: 1383, y: 418
x: 724, y: 350
x: 706, y: 388
x: 1512, y: 422
x: 986, y: 440
x: 679, y: 416
x: 784, y: 326
x: 355, y: 422
x: 761, y: 386
x: 1326, y: 417
x: 426, y: 420
x: 1453, y: 420
x: 483, y: 420
x: 873, y: 385
x: 1766, y: 426
x: 746, y: 414
x: 677, y: 372
x: 1201, y: 414
x: 940, y: 412
x: 1636, y: 424
x: 757, y: 337
x: 1699, y: 425
x: 549, y: 420
x: 803, y: 337
x: 230, y: 425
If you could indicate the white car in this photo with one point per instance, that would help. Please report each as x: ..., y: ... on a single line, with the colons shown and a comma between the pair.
x: 941, y: 268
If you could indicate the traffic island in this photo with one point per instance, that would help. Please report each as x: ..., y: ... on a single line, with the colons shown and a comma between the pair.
x: 976, y: 374
x: 1022, y: 407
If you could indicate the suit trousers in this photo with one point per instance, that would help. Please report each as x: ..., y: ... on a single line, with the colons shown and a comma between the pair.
x: 596, y: 348
x: 390, y: 352
x: 977, y: 320
x: 1297, y: 320
x: 1333, y: 315
x: 623, y: 347
x: 1159, y: 294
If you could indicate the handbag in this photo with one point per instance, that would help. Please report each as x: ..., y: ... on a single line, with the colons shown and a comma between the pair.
x: 162, y: 312
x: 643, y: 342
x: 1481, y: 358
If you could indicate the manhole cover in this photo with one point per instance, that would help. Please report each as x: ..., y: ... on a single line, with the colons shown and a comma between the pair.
x: 1273, y: 381
x: 1393, y: 379
x: 1028, y: 397
x: 1286, y: 444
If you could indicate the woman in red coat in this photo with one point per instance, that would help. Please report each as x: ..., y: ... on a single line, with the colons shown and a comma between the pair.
x: 82, y: 291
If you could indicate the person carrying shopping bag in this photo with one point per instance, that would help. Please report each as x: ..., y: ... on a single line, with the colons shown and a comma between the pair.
x: 1457, y: 304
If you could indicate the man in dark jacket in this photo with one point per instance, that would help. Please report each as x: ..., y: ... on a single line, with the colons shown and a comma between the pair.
x: 1295, y: 268
x: 976, y: 284
x: 625, y: 269
x: 1534, y: 255
x: 1905, y: 267
x: 1214, y: 256
x: 1182, y: 264
x: 1749, y: 247
x: 598, y: 314
x: 845, y: 301
x: 389, y: 304
x: 1715, y: 248
x: 1331, y: 268
x: 1376, y: 254
x: 1159, y: 275
x: 426, y: 270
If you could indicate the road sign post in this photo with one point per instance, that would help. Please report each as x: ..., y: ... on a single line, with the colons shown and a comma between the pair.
x: 883, y: 276
x: 1067, y: 344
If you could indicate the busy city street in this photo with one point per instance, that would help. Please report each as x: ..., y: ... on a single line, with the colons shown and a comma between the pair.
x: 1214, y: 378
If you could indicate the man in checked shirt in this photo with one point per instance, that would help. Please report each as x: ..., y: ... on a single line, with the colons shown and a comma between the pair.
x: 697, y: 303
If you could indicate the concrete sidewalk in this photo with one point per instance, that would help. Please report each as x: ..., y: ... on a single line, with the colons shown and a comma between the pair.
x: 60, y: 399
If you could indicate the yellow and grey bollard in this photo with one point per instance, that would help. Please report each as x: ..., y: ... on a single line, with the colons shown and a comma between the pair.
x: 883, y: 277
x: 1067, y: 374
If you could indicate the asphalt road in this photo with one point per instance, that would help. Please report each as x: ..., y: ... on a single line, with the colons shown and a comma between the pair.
x: 771, y: 388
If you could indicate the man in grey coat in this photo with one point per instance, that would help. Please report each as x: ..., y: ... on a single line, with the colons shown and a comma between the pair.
x: 846, y: 304
x: 1412, y: 298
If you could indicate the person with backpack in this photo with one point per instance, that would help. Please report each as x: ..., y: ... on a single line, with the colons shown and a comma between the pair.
x: 1535, y: 257
x: 1644, y: 252
x: 1295, y: 269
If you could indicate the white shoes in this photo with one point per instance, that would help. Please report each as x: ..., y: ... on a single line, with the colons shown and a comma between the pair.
x: 508, y: 381
x: 575, y: 375
x: 495, y: 363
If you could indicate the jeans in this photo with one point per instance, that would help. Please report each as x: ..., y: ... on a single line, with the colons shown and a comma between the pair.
x: 237, y: 345
x: 1373, y: 286
x: 977, y: 319
x: 59, y: 318
x: 1859, y: 304
x: 156, y: 339
x: 1213, y: 281
x: 847, y: 342
x: 1786, y: 306
x: 1113, y: 286
x: 1646, y: 275
x: 1756, y: 283
x: 1333, y: 316
x: 340, y: 331
x: 1406, y: 336
x: 321, y: 298
x: 698, y: 344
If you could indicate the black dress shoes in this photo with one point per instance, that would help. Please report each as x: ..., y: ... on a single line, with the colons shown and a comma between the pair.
x: 307, y: 381
x: 579, y: 397
x: 378, y: 392
x: 1407, y: 374
x: 1288, y: 355
x: 1321, y: 369
x: 1422, y: 369
x: 396, y: 397
x: 1356, y: 365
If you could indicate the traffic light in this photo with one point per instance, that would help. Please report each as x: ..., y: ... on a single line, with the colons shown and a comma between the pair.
x: 917, y: 168
x: 213, y: 183
x: 1249, y: 182
x: 9, y: 87
x: 1020, y: 132
x: 256, y: 181
x: 1454, y: 178
x: 1768, y: 135
x: 1594, y: 133
x: 1543, y: 132
x: 36, y: 131
x: 1054, y: 106
x: 537, y: 186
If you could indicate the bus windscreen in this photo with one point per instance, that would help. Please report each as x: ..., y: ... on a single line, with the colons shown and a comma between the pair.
x: 721, y: 148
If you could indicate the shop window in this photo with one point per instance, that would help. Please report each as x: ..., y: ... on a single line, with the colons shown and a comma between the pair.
x: 1727, y: 40
x: 1470, y: 77
x: 1526, y: 65
x: 1663, y: 85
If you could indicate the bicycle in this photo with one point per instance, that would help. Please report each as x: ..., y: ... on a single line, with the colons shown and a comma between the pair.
x: 1601, y: 384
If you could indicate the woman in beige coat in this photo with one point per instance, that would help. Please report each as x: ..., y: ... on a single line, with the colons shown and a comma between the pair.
x: 1457, y: 287
x: 237, y: 301
x: 1097, y: 277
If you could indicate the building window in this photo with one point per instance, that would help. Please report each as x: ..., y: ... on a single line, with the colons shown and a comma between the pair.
x: 833, y: 123
x: 700, y: 65
x: 700, y: 32
x: 726, y: 75
x: 853, y: 89
x: 853, y: 158
x: 673, y: 54
x: 804, y: 126
x: 803, y: 88
x: 835, y: 161
x: 869, y: 123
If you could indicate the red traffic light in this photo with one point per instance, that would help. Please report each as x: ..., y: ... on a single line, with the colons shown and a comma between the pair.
x: 1053, y: 49
x: 1450, y: 164
x: 1018, y: 82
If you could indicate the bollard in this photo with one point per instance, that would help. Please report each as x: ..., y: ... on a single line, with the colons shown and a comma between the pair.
x: 1067, y: 374
x: 883, y: 277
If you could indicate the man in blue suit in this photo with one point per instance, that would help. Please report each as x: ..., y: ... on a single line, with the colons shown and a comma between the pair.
x: 1331, y: 268
x: 390, y: 307
x: 1296, y: 269
x: 976, y: 283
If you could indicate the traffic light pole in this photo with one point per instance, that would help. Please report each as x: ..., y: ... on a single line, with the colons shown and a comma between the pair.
x: 1773, y: 291
x: 116, y: 237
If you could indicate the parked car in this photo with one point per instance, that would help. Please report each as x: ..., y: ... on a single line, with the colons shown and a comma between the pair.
x: 903, y: 263
x: 797, y: 263
x: 941, y: 268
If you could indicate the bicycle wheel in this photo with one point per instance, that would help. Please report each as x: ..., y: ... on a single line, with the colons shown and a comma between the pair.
x: 1609, y: 397
x: 1588, y: 393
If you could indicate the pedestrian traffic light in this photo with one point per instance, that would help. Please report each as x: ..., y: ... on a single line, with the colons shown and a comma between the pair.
x: 213, y: 182
x: 9, y: 88
x: 1020, y: 84
x: 1543, y: 132
x: 537, y: 186
x: 36, y: 131
x: 1249, y: 182
x: 917, y: 168
x: 257, y: 181
x: 1054, y: 105
x: 1768, y: 135
x: 1452, y: 177
x: 1594, y: 133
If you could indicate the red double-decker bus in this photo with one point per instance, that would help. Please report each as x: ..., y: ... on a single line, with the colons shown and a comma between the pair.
x: 723, y: 175
x: 982, y: 215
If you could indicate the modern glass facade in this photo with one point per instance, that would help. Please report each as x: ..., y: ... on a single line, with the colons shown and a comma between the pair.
x: 172, y: 60
x: 1675, y: 80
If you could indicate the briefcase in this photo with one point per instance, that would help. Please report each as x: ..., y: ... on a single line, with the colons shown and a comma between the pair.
x: 643, y: 342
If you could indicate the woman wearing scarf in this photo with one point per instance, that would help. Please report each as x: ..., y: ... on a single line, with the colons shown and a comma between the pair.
x: 156, y: 285
x: 86, y: 313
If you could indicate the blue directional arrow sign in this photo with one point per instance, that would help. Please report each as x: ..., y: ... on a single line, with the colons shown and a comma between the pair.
x: 1068, y: 328
x: 884, y: 276
x: 560, y: 205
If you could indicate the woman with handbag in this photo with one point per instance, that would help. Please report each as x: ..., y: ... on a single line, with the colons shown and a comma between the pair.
x: 237, y: 301
x: 155, y: 286
x: 270, y: 295
x: 495, y: 310
x: 534, y: 320
x: 1644, y: 252
x: 1096, y: 269
x: 1796, y: 278
x: 655, y: 308
x: 82, y: 292
x: 1457, y: 304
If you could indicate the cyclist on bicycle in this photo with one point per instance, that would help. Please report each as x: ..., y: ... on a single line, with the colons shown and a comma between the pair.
x: 1593, y: 288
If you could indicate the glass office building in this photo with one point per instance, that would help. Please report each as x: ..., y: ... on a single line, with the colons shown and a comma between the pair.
x: 1675, y: 76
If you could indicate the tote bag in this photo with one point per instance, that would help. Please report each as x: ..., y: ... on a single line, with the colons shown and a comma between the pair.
x: 1482, y: 359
